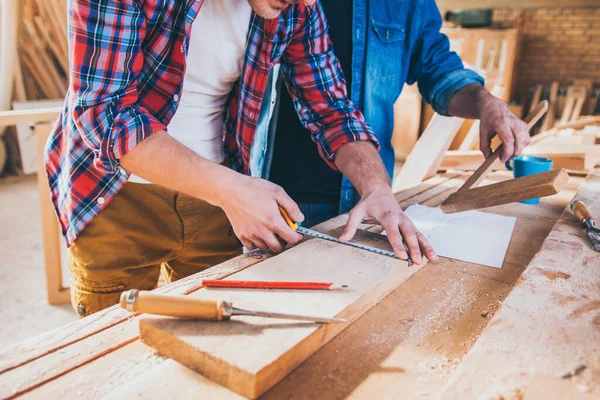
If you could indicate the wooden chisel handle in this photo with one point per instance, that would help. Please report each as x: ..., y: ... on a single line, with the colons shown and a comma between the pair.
x: 581, y: 211
x: 175, y: 306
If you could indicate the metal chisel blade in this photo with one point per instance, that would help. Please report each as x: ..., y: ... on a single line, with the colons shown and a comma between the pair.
x: 594, y: 235
x: 310, y: 232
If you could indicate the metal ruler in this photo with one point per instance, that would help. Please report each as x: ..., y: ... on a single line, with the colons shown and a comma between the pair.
x: 310, y: 232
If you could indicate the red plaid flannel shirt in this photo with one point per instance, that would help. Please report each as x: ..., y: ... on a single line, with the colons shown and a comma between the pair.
x: 127, y: 68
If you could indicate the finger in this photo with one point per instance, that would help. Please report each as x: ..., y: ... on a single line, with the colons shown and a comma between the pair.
x: 522, y: 138
x: 409, y: 232
x: 248, y: 244
x: 286, y: 233
x: 508, y: 141
x: 290, y: 206
x: 426, y: 247
x: 354, y: 220
x: 258, y: 243
x: 394, y: 237
x: 273, y: 243
x: 485, y: 141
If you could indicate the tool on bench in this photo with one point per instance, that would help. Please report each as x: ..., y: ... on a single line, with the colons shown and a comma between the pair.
x: 305, y: 231
x: 209, y: 310
x: 471, y: 197
x: 585, y: 217
x: 222, y: 283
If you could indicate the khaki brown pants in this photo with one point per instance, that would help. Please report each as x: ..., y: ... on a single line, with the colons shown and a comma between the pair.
x: 146, y: 230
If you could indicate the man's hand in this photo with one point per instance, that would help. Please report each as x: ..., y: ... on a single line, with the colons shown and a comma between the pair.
x: 474, y: 102
x: 381, y: 207
x: 251, y: 204
x: 497, y: 119
x: 252, y: 207
x: 360, y: 162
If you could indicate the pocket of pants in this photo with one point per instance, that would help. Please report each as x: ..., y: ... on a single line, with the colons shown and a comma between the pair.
x: 92, y: 286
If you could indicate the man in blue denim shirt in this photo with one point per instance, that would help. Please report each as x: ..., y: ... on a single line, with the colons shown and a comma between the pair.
x: 381, y: 45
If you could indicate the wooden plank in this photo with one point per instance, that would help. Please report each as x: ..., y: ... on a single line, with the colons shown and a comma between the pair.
x: 549, y: 324
x: 428, y: 151
x: 581, y: 123
x: 472, y: 159
x: 524, y: 188
x: 272, y: 349
x: 552, y: 110
x: 537, y: 96
x: 56, y: 293
x: 31, y: 116
x: 521, y: 4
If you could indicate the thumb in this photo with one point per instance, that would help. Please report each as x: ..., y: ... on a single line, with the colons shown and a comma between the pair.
x: 290, y: 207
x: 352, y: 225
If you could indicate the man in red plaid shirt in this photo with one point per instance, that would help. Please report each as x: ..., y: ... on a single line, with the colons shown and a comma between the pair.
x: 165, y: 97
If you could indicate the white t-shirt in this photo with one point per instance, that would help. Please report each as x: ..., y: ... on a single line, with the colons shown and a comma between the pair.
x: 214, y: 63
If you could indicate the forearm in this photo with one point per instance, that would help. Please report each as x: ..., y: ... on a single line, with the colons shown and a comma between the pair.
x: 362, y: 165
x: 469, y: 101
x: 166, y: 162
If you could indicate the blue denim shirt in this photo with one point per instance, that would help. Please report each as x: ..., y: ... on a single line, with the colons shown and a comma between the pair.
x: 394, y: 42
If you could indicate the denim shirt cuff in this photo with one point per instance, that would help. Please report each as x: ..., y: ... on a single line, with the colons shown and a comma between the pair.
x: 449, y: 84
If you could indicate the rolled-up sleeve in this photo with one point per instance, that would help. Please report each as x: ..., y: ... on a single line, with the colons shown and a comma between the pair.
x: 438, y: 71
x: 316, y: 83
x: 106, y: 60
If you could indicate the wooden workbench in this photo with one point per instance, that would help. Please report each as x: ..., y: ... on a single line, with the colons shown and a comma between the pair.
x: 409, y: 344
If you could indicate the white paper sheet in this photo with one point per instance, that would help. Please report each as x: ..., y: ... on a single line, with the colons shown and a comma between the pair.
x: 472, y: 236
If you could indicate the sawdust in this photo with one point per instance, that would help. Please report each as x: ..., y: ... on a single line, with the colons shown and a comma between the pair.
x: 454, y: 302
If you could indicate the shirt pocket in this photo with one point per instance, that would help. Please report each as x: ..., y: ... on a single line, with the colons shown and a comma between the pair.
x: 386, y: 45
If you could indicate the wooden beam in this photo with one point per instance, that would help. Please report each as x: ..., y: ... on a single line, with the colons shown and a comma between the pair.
x: 32, y: 116
x: 56, y: 293
x: 524, y: 188
x: 251, y: 355
x: 428, y: 151
x: 517, y: 4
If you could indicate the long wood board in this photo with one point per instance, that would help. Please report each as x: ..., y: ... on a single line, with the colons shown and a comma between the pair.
x: 550, y: 322
x: 250, y: 355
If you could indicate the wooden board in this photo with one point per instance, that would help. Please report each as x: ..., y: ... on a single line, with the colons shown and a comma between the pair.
x: 250, y: 355
x: 518, y: 189
x: 428, y: 152
x: 549, y: 324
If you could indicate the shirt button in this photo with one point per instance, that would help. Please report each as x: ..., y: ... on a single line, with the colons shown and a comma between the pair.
x: 175, y: 98
x: 101, y: 200
x: 182, y: 48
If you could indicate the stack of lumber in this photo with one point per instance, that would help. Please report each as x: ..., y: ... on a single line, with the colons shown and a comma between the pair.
x: 34, y: 71
x: 42, y: 63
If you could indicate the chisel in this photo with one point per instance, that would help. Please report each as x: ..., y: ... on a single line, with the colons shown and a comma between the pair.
x: 585, y: 217
x: 209, y: 310
x: 305, y: 231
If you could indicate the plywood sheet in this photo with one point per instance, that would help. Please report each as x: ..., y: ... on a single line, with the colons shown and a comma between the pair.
x: 249, y: 355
